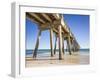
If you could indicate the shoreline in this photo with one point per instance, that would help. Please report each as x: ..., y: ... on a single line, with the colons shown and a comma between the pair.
x: 46, y: 60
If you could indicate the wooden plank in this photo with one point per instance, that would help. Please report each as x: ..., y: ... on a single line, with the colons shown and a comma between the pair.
x: 46, y: 17
x: 36, y: 16
x: 37, y: 44
x: 45, y: 25
x: 55, y: 30
x: 56, y: 16
x: 30, y: 17
x: 51, y: 42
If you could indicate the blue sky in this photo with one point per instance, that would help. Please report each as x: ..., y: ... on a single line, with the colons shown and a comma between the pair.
x: 79, y: 25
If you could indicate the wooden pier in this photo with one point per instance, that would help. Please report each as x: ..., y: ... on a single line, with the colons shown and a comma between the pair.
x: 55, y: 24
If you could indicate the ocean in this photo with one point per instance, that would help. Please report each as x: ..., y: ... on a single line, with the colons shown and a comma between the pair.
x: 46, y: 51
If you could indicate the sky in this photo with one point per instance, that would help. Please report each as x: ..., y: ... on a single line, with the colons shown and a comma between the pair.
x: 79, y: 26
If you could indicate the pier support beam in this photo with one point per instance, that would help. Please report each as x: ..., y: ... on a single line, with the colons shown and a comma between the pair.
x: 51, y: 42
x: 66, y: 46
x: 60, y: 43
x: 55, y: 45
x: 69, y: 45
x: 63, y: 45
x: 73, y: 45
x: 37, y: 44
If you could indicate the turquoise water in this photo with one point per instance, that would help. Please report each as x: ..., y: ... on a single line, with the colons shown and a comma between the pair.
x: 42, y: 51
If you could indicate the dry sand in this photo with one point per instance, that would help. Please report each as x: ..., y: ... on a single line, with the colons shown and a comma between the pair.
x: 46, y: 60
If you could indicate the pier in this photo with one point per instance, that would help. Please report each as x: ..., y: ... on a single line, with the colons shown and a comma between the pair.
x: 55, y: 23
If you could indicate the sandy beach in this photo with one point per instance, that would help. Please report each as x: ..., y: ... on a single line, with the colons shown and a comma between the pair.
x: 46, y: 60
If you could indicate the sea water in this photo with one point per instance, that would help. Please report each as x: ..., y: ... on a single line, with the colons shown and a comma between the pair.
x: 46, y: 51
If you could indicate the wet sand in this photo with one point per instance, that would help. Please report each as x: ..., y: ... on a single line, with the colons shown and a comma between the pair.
x: 46, y: 60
